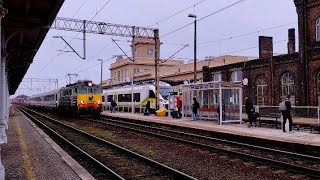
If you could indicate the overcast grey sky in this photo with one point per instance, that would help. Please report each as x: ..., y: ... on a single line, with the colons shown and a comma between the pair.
x: 248, y: 16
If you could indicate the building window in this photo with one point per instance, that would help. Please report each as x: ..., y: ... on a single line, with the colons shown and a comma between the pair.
x: 118, y: 75
x: 318, y: 30
x: 318, y: 87
x: 122, y: 76
x: 287, y: 86
x: 216, y: 77
x: 262, y: 90
x: 236, y: 76
x: 135, y: 70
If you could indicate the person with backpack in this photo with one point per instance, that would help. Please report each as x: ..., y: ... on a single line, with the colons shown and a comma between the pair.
x: 113, y: 106
x: 285, y: 108
x: 249, y: 110
x: 195, y: 107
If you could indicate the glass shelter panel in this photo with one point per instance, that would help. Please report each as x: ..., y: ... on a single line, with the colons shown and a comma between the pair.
x: 211, y: 96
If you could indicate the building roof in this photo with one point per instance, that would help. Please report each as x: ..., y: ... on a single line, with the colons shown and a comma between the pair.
x: 25, y: 27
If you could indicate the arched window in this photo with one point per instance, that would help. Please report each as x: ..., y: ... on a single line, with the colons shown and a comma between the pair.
x: 287, y: 86
x: 318, y: 30
x: 262, y: 89
x: 318, y: 87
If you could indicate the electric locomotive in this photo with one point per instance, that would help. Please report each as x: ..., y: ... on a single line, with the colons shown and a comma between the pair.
x: 82, y: 97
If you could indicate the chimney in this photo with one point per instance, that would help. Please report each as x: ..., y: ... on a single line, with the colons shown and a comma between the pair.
x: 291, y: 41
x: 265, y: 47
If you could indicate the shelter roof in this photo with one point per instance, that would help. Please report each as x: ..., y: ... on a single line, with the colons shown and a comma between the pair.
x: 25, y: 27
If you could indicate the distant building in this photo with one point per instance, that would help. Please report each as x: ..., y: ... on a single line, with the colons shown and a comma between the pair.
x: 143, y: 63
x: 172, y: 71
x: 271, y: 77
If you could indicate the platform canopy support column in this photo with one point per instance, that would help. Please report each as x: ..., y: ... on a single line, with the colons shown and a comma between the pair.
x: 3, y: 94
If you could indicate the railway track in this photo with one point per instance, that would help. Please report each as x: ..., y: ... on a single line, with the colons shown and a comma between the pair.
x: 107, y: 160
x: 293, y: 162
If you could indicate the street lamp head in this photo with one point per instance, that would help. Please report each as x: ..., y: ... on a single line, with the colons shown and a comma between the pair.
x: 100, y: 60
x: 192, y: 15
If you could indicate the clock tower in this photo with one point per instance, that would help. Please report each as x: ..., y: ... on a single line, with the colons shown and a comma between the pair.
x: 143, y: 48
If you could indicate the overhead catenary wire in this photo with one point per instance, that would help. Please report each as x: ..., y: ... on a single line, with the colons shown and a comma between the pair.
x: 246, y: 34
x: 211, y: 14
x: 52, y: 59
x: 177, y: 13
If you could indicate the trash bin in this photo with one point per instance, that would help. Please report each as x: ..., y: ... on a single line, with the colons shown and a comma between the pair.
x: 161, y: 112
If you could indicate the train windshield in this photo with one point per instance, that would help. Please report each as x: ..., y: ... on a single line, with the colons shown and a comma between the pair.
x: 89, y: 90
x: 164, y: 91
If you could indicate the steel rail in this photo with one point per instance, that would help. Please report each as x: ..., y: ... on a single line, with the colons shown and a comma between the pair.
x: 174, y: 172
x: 290, y: 167
x: 85, y: 154
x: 288, y: 153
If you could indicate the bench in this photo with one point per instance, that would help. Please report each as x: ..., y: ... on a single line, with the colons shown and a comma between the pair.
x: 275, y: 116
x: 211, y: 112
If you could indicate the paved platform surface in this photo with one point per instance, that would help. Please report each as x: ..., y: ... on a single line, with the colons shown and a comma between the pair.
x: 237, y: 129
x: 31, y: 154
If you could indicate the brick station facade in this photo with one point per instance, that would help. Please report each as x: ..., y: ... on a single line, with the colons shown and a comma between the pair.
x: 271, y: 78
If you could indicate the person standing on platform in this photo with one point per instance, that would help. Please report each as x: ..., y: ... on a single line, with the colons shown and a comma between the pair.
x: 179, y: 106
x: 195, y: 108
x: 113, y: 106
x: 147, y: 111
x: 249, y: 110
x: 285, y: 108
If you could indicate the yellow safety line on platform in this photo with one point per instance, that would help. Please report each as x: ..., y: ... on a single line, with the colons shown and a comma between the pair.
x: 25, y: 154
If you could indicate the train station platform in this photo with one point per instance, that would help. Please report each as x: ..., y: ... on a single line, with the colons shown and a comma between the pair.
x: 31, y: 154
x: 268, y: 133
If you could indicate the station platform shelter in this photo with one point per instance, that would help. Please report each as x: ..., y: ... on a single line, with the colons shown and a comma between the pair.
x: 221, y: 101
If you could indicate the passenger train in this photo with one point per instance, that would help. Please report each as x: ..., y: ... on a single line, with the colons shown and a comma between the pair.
x: 82, y: 97
x: 141, y: 95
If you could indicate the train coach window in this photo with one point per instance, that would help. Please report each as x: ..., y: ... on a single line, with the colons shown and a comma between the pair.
x: 76, y: 90
x: 124, y: 98
x: 136, y: 97
x: 110, y: 98
x: 151, y: 94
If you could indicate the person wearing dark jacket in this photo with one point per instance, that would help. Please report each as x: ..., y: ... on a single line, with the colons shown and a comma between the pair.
x: 286, y: 114
x: 249, y: 110
x: 113, y: 106
x: 195, y: 108
x: 147, y: 111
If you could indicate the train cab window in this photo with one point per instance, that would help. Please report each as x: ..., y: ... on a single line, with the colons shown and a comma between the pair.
x: 90, y: 91
x: 151, y: 94
x: 103, y: 100
x: 82, y: 90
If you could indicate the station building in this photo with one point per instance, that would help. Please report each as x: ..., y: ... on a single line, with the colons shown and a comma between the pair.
x: 271, y: 78
x: 173, y: 71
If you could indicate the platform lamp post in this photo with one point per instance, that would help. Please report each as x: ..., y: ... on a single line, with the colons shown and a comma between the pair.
x: 195, y: 47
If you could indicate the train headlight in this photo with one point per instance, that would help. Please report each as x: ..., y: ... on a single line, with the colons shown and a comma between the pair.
x: 90, y: 84
x: 98, y: 102
x: 82, y: 102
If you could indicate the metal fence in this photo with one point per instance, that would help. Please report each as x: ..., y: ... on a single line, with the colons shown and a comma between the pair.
x: 302, y: 114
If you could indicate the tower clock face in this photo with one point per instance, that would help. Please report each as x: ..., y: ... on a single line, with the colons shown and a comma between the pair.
x: 149, y: 51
